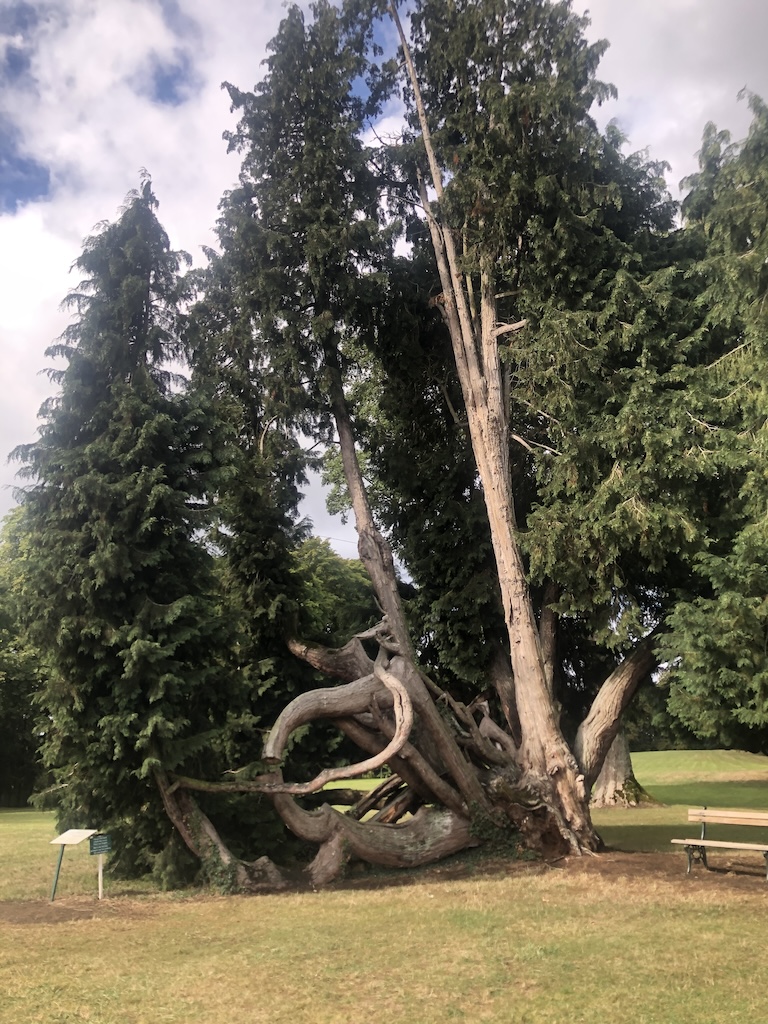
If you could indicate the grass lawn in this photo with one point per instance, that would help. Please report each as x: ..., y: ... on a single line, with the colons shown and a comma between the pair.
x: 534, y: 945
x: 679, y: 779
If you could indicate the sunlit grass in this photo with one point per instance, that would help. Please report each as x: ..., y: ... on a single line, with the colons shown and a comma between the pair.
x: 538, y: 945
x: 28, y: 861
x: 679, y: 779
x: 657, y: 767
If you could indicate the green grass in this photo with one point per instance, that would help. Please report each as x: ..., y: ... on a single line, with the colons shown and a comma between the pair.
x: 679, y: 779
x: 28, y: 861
x: 537, y: 945
x: 541, y: 949
x: 673, y: 766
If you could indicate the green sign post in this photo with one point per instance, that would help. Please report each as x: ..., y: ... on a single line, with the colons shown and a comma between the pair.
x: 100, y: 843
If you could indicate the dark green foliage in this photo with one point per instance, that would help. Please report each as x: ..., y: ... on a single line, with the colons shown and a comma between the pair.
x: 300, y: 234
x: 116, y: 588
x: 579, y: 236
x: 718, y: 641
x: 337, y: 596
x: 158, y: 561
x: 648, y: 724
x: 19, y: 682
x: 410, y: 421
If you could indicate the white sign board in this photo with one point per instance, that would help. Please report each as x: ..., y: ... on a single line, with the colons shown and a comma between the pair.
x: 73, y: 836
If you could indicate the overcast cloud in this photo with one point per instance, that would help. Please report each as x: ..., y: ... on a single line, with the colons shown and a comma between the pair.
x: 93, y: 90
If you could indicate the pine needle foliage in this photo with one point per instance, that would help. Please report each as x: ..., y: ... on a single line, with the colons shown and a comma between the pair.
x: 717, y: 647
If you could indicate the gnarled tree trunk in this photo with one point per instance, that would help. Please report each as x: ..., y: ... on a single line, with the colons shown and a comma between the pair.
x: 616, y: 784
x: 549, y: 768
x: 455, y: 767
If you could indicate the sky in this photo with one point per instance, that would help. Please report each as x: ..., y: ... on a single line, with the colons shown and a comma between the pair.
x: 92, y: 91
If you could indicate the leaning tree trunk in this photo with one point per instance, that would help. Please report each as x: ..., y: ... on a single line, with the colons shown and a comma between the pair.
x: 221, y: 868
x: 550, y: 769
x: 616, y: 784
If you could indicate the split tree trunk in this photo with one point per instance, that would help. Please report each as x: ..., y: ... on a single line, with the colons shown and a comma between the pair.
x: 445, y: 758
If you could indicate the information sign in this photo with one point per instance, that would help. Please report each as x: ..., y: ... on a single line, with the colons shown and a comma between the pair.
x: 101, y: 843
x: 73, y: 836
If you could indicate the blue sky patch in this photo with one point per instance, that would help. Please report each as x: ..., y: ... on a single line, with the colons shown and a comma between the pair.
x: 18, y: 18
x: 171, y: 83
x: 16, y: 24
x: 177, y: 20
x: 22, y: 179
x: 15, y: 63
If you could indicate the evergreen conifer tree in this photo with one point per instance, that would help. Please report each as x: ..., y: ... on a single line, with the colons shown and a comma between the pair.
x: 115, y: 583
x: 717, y: 639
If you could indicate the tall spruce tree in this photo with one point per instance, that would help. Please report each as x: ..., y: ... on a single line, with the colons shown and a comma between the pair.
x: 543, y: 237
x: 115, y: 583
x: 531, y: 216
x: 556, y: 446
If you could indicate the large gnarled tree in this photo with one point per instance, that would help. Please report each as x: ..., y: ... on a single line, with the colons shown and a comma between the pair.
x: 519, y: 388
x: 537, y: 268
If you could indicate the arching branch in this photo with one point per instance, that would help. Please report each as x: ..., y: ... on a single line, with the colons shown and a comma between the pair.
x: 331, y: 703
x: 347, y: 663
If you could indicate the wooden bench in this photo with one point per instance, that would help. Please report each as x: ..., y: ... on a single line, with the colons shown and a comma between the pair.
x: 697, y: 848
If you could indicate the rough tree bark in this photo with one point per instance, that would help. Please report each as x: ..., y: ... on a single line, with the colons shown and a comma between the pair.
x: 599, y: 728
x: 455, y: 768
x: 203, y: 840
x: 616, y: 784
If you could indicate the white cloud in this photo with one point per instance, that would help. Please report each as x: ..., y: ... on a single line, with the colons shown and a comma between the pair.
x: 82, y: 112
x: 677, y: 65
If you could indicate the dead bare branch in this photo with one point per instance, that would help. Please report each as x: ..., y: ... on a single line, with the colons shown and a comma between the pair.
x: 509, y: 328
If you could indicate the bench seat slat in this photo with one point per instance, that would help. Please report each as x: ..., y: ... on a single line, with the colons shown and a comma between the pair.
x: 696, y: 849
x: 762, y: 847
x: 728, y: 817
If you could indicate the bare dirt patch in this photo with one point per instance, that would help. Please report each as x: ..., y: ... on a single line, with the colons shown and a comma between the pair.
x: 739, y: 874
x: 34, y: 912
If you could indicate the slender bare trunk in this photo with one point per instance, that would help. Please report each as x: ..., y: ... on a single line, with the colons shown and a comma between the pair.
x: 597, y: 731
x: 375, y: 553
x: 550, y: 766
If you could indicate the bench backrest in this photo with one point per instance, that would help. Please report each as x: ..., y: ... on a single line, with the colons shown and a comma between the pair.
x: 724, y: 816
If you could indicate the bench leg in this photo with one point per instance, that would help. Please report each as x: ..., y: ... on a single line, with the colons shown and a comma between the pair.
x: 699, y: 853
x: 766, y: 865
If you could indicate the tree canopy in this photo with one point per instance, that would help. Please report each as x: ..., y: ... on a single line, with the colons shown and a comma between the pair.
x: 536, y: 392
x: 716, y: 645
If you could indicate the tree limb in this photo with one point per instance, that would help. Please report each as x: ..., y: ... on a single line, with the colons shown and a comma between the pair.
x: 597, y: 731
x: 509, y: 328
x: 299, y: 711
x: 347, y: 663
